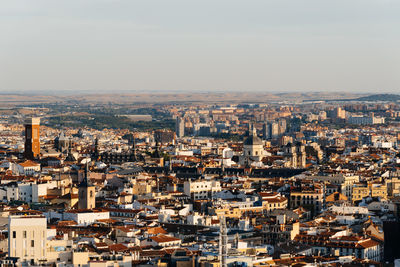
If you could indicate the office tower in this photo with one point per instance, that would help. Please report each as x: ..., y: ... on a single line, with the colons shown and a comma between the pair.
x: 271, y: 130
x: 32, y: 138
x: 180, y: 127
x: 87, y: 193
x: 339, y: 113
x: 282, y: 126
x: 27, y: 237
x: 265, y: 131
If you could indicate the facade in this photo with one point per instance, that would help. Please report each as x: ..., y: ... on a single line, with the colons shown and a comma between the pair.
x: 345, y: 182
x: 87, y: 193
x: 280, y: 231
x: 253, y: 148
x: 86, y: 217
x: 295, y: 155
x: 113, y: 157
x: 32, y: 138
x: 371, y: 190
x: 28, y: 168
x: 180, y: 127
x: 365, y: 120
x: 271, y: 130
x: 164, y: 136
x: 308, y: 197
x: 201, y: 189
x: 27, y: 238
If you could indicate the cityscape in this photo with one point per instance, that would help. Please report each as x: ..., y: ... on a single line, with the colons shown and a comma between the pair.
x: 304, y: 183
x: 212, y: 133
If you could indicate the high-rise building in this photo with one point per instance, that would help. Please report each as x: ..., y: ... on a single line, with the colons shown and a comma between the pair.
x: 271, y: 130
x: 180, y: 127
x: 282, y: 126
x: 32, y: 138
x: 27, y: 237
x: 339, y: 113
x: 87, y: 193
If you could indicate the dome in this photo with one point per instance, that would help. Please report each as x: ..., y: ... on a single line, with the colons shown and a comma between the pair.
x: 252, y: 140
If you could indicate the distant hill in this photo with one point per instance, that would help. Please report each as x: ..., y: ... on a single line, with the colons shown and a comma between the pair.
x: 379, y: 97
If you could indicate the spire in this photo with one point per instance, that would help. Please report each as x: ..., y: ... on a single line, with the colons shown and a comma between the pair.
x: 86, y: 181
x: 96, y: 146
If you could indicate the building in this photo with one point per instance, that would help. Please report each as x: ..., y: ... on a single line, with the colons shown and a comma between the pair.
x: 365, y: 120
x: 164, y: 136
x: 339, y: 113
x: 345, y: 182
x: 32, y: 138
x: 86, y: 217
x: 180, y: 127
x: 87, y: 193
x: 253, y: 148
x: 27, y: 237
x: 115, y: 157
x: 370, y: 190
x: 271, y: 130
x: 280, y: 231
x: 201, y: 189
x: 311, y: 197
x: 28, y: 168
x: 62, y: 142
x: 295, y: 155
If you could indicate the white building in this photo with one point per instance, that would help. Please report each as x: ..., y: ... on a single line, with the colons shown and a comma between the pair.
x: 365, y: 120
x: 28, y: 168
x: 201, y: 189
x: 27, y: 238
x: 86, y: 217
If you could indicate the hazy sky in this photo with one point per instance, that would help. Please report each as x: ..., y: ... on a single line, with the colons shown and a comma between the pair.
x: 263, y: 45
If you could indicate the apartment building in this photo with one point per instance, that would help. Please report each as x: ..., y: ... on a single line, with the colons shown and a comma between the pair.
x: 27, y: 238
x: 201, y: 189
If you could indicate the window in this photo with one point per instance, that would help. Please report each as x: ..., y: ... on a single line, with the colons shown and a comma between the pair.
x: 14, y: 234
x: 32, y: 243
x: 24, y: 234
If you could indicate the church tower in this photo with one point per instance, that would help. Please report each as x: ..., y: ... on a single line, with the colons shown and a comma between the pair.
x: 87, y: 193
x: 32, y: 138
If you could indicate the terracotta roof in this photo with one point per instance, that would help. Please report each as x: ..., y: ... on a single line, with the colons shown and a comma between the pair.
x: 118, y: 247
x: 164, y: 238
x: 156, y: 230
x: 369, y: 243
x: 29, y: 163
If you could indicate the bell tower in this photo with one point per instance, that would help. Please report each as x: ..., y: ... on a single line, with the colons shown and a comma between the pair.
x: 87, y: 193
x: 32, y: 138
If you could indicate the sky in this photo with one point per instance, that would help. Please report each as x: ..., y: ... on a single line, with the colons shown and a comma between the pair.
x: 204, y: 45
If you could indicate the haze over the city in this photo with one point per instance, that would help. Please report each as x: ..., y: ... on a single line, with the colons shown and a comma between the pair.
x: 226, y: 45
